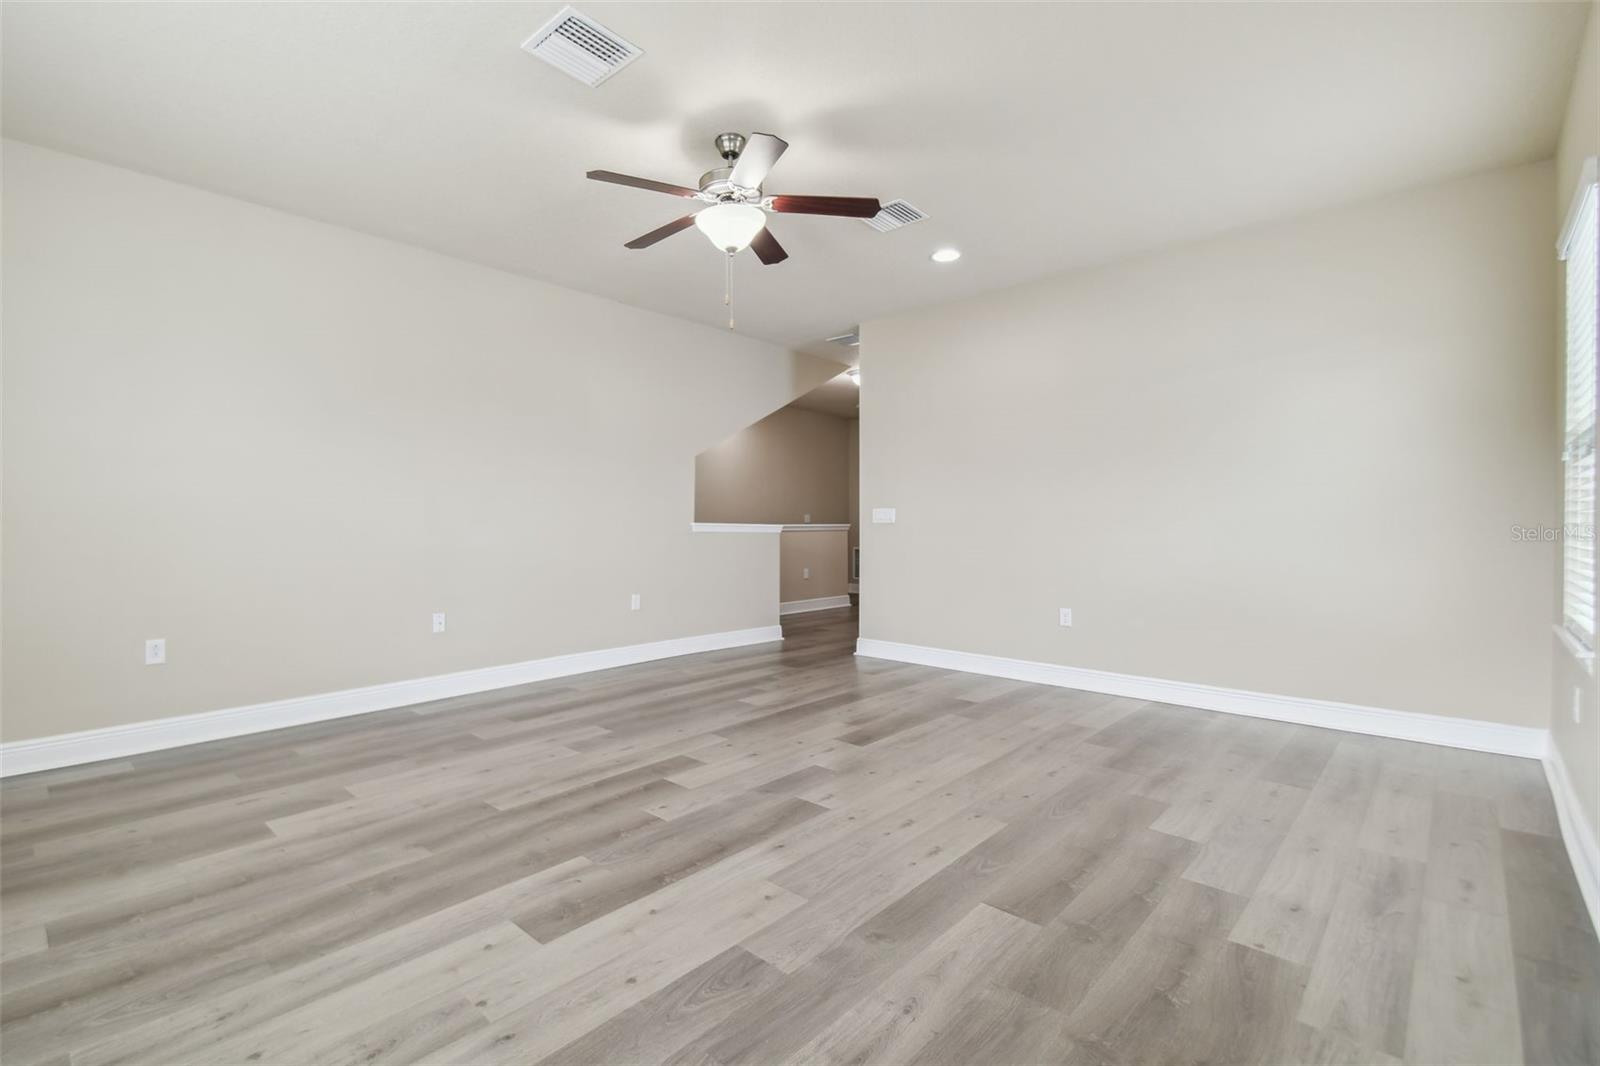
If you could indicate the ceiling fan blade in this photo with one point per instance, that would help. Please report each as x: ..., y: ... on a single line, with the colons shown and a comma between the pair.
x: 843, y: 206
x: 661, y: 233
x: 767, y: 248
x: 642, y: 183
x: 761, y: 150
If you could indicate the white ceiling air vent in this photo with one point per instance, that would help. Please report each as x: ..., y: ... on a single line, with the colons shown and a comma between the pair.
x: 849, y: 340
x: 893, y: 215
x: 581, y: 47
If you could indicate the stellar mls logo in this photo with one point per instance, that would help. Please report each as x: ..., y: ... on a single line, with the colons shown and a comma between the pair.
x: 1548, y: 534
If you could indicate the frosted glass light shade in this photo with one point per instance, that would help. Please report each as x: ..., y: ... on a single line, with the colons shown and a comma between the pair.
x: 731, y: 227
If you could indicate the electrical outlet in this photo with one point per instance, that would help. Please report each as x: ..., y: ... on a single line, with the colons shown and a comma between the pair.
x: 1066, y: 616
x: 438, y: 621
x: 155, y: 651
x: 883, y: 515
x: 633, y: 604
x: 805, y: 573
x: 808, y: 519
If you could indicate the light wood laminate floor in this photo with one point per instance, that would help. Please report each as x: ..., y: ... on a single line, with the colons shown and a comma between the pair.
x: 785, y: 854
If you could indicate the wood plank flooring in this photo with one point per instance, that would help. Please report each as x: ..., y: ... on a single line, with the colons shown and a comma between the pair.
x: 785, y: 854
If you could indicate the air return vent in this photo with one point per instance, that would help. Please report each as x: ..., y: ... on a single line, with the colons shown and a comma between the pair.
x: 848, y: 340
x: 581, y: 47
x: 893, y: 215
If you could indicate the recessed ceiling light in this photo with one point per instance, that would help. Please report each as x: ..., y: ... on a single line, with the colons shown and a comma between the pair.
x: 945, y: 255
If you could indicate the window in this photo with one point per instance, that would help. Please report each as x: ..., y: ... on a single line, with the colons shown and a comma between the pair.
x: 1579, y: 247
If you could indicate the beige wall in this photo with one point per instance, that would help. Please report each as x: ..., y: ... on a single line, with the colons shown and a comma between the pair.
x: 1578, y: 742
x: 792, y: 463
x: 1580, y: 130
x: 823, y: 553
x: 1287, y: 460
x: 853, y: 482
x: 281, y: 445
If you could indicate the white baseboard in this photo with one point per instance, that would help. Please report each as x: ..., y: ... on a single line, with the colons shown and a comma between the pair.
x: 821, y: 603
x: 1522, y: 741
x: 1576, y: 832
x: 115, y: 742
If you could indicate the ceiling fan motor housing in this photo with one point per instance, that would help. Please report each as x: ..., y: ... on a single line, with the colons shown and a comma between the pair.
x: 716, y: 183
x: 735, y: 213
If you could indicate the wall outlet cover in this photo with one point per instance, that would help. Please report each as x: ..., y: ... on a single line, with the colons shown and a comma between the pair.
x: 1066, y: 616
x: 155, y: 651
x: 883, y: 515
x: 438, y: 621
x: 633, y: 604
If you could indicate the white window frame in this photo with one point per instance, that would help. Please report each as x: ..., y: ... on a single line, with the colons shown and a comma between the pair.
x: 1578, y: 419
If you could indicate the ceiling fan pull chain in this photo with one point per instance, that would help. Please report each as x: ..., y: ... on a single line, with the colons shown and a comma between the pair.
x: 727, y: 289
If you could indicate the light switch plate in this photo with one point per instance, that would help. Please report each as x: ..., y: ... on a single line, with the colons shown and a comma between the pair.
x: 438, y: 621
x: 1066, y: 616
x: 633, y: 604
x: 883, y: 515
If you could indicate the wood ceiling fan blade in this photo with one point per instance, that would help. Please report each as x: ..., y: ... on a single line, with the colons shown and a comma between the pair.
x: 642, y: 183
x: 661, y: 233
x: 842, y: 206
x: 767, y: 248
x: 761, y: 150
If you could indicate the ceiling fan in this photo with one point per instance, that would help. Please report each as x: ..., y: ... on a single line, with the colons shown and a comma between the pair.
x: 735, y: 217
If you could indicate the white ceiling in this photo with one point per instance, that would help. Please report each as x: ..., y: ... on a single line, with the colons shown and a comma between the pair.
x: 1038, y: 137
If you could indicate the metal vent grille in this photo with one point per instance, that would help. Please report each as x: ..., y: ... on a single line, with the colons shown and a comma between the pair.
x: 581, y: 47
x: 849, y: 340
x: 893, y: 215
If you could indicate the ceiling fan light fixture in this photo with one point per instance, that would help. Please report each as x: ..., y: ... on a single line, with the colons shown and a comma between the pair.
x: 731, y: 227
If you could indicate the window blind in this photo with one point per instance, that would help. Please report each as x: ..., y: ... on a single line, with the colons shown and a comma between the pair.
x: 1577, y: 541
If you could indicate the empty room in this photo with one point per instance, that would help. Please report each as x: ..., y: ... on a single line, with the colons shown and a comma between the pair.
x: 741, y: 534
